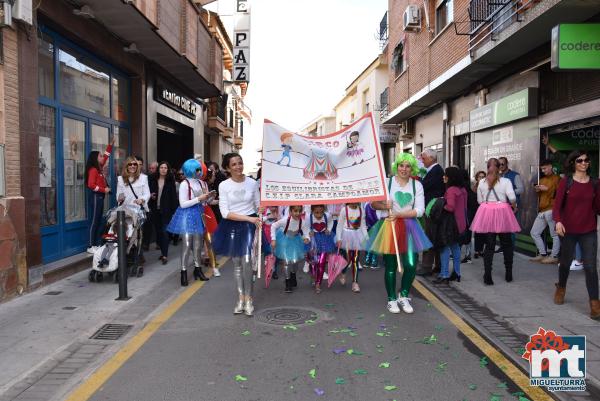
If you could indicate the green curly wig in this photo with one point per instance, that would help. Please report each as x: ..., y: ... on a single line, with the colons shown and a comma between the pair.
x: 406, y: 158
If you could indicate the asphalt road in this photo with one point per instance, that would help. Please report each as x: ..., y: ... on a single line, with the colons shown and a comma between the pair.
x: 350, y: 349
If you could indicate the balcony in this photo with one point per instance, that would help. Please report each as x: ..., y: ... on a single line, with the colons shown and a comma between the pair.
x: 383, y: 32
x: 217, y: 116
x: 238, y: 142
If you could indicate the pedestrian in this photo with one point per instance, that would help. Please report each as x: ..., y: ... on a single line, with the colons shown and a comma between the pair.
x: 334, y: 211
x: 187, y: 220
x: 407, y: 204
x: 350, y: 237
x: 494, y: 217
x: 152, y: 168
x: 96, y: 182
x: 288, y: 244
x: 455, y: 199
x: 518, y: 188
x: 371, y: 258
x: 472, y: 206
x: 163, y: 203
x: 546, y: 191
x: 179, y: 177
x: 133, y: 190
x: 148, y: 224
x: 479, y: 239
x: 575, y: 211
x: 216, y: 177
x: 239, y: 204
x: 317, y: 229
x: 210, y: 222
x: 433, y: 187
x: 270, y: 216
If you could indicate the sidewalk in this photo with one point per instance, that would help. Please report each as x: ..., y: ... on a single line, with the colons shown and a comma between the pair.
x: 42, y: 329
x: 524, y: 305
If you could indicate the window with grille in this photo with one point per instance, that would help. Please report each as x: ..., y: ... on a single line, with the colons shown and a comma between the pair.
x: 444, y: 14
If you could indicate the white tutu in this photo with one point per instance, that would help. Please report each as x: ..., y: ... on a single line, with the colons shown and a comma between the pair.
x: 353, y: 240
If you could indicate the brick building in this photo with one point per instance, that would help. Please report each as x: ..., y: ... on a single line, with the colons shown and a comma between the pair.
x: 142, y: 71
x: 472, y: 80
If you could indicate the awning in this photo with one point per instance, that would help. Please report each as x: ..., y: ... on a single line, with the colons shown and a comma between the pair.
x: 129, y: 24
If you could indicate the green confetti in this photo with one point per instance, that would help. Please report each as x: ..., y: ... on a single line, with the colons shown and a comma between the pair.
x: 345, y: 331
x: 340, y: 380
x: 390, y: 388
x: 245, y: 333
x: 518, y: 394
x: 334, y: 331
x: 495, y: 397
x: 472, y: 387
x: 429, y: 340
x: 313, y: 346
x: 439, y: 328
x: 502, y: 385
x: 309, y: 321
x: 521, y: 398
x: 380, y: 334
x: 360, y: 372
x: 483, y: 362
x: 384, y: 365
x: 380, y: 351
x: 441, y: 367
x: 312, y: 373
x: 379, y: 346
x: 291, y: 387
x: 428, y: 305
x: 290, y: 327
x: 329, y: 305
x: 352, y: 334
x: 353, y: 352
x: 382, y: 315
x: 240, y: 378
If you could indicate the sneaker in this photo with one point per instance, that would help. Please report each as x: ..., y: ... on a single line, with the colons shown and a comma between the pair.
x: 325, y: 276
x: 576, y: 265
x: 375, y: 267
x: 538, y: 258
x: 306, y: 267
x: 360, y: 267
x: 317, y: 288
x: 466, y: 259
x: 405, y: 305
x: 355, y: 287
x: 92, y: 249
x: 393, y: 307
x: 216, y: 272
x: 498, y: 250
x: 550, y: 260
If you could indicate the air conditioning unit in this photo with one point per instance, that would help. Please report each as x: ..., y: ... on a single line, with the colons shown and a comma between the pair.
x: 407, y: 129
x: 411, y: 20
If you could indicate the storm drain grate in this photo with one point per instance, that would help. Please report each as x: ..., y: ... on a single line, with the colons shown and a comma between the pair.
x: 286, y: 315
x: 53, y: 293
x: 111, y: 332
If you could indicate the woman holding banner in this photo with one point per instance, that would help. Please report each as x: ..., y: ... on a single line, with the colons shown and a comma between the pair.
x: 401, y: 212
x: 239, y: 205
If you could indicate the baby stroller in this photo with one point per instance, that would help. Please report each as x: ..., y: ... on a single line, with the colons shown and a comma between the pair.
x: 106, y: 258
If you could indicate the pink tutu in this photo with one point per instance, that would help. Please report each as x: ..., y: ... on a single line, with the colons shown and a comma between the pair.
x: 495, y: 217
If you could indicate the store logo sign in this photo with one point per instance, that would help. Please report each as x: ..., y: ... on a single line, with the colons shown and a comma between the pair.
x: 575, y: 47
x: 176, y: 101
x: 519, y: 105
x: 241, y: 42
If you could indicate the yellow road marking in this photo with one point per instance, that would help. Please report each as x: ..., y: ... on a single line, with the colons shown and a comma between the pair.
x: 101, y: 376
x: 512, y: 371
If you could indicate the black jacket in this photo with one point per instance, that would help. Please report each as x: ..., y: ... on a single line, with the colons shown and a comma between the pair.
x: 433, y: 183
x: 169, y: 201
x: 440, y: 225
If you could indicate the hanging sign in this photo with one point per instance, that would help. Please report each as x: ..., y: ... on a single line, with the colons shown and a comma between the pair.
x: 241, y: 42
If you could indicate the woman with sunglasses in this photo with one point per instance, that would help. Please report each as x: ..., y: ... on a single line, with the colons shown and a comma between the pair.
x: 575, y: 208
x: 495, y: 218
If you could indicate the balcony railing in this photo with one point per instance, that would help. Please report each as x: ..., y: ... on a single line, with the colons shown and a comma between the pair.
x: 490, y: 17
x: 383, y: 106
x: 383, y: 31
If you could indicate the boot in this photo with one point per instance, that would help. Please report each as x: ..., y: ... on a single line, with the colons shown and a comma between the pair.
x: 559, y: 294
x: 184, y: 279
x: 508, y: 275
x: 595, y: 309
x: 288, y: 285
x: 487, y: 277
x: 198, y: 275
x: 293, y: 281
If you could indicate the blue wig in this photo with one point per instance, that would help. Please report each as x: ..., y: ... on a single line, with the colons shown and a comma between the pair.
x: 189, y: 167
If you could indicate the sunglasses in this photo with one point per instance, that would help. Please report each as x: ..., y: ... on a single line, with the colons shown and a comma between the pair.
x: 579, y: 161
x: 132, y: 164
x: 502, y: 164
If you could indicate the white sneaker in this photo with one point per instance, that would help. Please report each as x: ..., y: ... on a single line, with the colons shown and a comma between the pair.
x: 325, y: 276
x: 216, y: 272
x: 92, y: 249
x: 393, y: 307
x: 405, y: 305
x: 576, y: 265
x: 375, y: 267
x: 306, y: 267
x: 360, y: 267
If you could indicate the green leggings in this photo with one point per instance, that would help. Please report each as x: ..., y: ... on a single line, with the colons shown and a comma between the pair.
x: 409, y: 263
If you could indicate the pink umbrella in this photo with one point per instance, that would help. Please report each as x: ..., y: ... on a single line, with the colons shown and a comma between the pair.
x: 269, y: 266
x: 335, y: 264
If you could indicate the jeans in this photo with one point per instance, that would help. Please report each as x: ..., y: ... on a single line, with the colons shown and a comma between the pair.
x: 578, y: 252
x: 589, y: 250
x: 542, y: 220
x: 162, y: 236
x: 445, y: 259
x: 97, y: 208
x: 490, y: 246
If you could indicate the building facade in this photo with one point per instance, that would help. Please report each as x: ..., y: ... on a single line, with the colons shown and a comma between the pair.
x: 321, y: 125
x: 473, y: 80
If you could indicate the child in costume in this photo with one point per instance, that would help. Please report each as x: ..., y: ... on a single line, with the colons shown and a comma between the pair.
x: 350, y: 236
x: 400, y: 214
x: 187, y: 220
x: 270, y: 216
x: 370, y: 219
x: 289, y: 245
x: 317, y: 229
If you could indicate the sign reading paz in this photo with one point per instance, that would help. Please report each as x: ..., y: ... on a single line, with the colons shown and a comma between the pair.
x: 241, y: 42
x: 345, y: 166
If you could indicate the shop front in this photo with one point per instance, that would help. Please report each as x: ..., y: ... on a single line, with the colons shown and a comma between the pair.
x: 83, y: 102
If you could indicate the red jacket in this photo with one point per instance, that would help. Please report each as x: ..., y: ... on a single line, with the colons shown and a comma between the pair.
x: 96, y: 180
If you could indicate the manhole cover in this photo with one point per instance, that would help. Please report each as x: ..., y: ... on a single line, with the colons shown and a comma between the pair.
x: 111, y: 332
x: 287, y: 315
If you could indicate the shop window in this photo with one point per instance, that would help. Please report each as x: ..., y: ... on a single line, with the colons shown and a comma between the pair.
x: 73, y: 152
x: 45, y: 66
x: 83, y: 83
x: 47, y: 165
x: 399, y: 58
x: 120, y: 148
x: 120, y: 98
x: 444, y: 14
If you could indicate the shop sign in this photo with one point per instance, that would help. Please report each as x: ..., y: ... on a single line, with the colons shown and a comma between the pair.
x: 575, y: 47
x: 388, y: 134
x: 176, y: 101
x: 241, y: 42
x: 582, y: 138
x: 510, y: 108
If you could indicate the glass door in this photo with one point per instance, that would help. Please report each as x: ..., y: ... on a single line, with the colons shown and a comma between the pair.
x: 99, y: 137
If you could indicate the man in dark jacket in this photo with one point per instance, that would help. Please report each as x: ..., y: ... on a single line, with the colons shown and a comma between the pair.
x: 433, y: 187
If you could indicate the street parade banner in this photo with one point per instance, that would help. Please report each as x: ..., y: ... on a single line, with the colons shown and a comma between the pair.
x: 345, y: 166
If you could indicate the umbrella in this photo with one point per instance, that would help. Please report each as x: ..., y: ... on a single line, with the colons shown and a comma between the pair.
x: 335, y: 264
x: 269, y: 266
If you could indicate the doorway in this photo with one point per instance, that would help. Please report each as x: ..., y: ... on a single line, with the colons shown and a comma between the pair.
x: 175, y: 141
